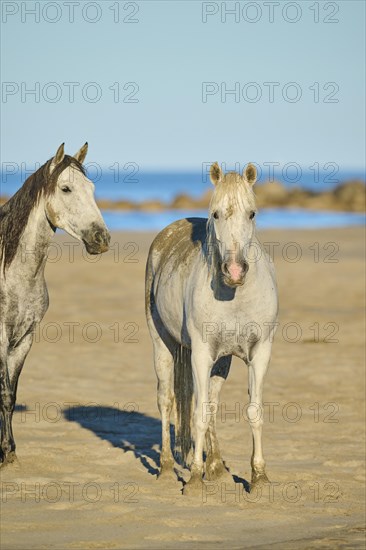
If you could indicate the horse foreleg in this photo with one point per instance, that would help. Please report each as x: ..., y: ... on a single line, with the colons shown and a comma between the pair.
x: 257, y: 369
x: 201, y: 368
x: 7, y: 401
x: 164, y: 368
x: 9, y: 382
x: 214, y: 463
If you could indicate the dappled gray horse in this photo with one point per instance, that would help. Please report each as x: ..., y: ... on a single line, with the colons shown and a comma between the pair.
x: 58, y: 195
x: 210, y: 294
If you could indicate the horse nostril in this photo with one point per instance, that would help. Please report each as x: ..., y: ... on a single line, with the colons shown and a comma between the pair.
x: 102, y: 239
x: 245, y: 267
x: 225, y: 269
x: 98, y: 237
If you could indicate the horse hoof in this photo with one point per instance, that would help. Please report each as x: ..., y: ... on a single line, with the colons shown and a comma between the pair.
x: 194, y: 487
x: 10, y: 458
x: 258, y: 480
x: 166, y: 472
x: 215, y: 471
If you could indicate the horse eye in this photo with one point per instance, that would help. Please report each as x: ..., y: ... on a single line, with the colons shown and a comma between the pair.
x: 66, y: 189
x: 216, y: 215
x: 251, y: 215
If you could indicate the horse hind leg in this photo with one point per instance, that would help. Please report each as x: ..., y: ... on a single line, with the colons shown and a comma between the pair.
x: 215, y: 467
x: 164, y: 368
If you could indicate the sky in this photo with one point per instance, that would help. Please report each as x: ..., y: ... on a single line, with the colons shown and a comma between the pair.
x: 149, y: 82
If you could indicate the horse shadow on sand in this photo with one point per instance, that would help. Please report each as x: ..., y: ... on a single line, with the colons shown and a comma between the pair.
x: 130, y: 431
x: 126, y: 430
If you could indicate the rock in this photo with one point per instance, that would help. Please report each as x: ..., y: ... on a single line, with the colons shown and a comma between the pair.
x: 183, y: 201
x: 351, y: 195
x: 271, y: 193
x: 152, y: 205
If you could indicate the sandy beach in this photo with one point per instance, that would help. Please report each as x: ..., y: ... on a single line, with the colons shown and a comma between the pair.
x: 87, y: 426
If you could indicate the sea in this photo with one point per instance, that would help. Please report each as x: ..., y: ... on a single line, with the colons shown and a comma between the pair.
x: 131, y: 183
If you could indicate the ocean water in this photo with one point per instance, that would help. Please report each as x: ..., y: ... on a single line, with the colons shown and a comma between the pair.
x: 137, y: 185
x: 267, y: 218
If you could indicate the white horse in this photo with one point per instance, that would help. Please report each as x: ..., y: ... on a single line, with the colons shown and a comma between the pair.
x: 206, y: 300
x: 58, y: 195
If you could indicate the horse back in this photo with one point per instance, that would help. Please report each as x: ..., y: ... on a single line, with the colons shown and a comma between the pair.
x: 175, y: 245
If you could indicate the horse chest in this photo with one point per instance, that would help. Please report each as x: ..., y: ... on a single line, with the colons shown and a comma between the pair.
x: 232, y: 326
x: 23, y: 308
x: 229, y: 333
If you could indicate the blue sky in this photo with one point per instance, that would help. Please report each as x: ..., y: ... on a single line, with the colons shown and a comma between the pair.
x: 169, y: 52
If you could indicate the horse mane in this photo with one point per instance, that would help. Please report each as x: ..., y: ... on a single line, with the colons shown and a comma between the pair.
x: 235, y: 193
x: 15, y: 213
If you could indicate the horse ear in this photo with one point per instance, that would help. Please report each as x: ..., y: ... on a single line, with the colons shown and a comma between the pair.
x: 250, y: 174
x: 81, y: 154
x: 59, y: 156
x: 215, y: 173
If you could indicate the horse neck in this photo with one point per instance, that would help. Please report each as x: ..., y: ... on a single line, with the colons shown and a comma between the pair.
x: 33, y: 244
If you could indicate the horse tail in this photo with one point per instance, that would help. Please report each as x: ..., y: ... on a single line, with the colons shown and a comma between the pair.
x: 183, y: 392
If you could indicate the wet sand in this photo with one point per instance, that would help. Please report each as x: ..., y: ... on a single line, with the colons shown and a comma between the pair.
x: 88, y: 430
